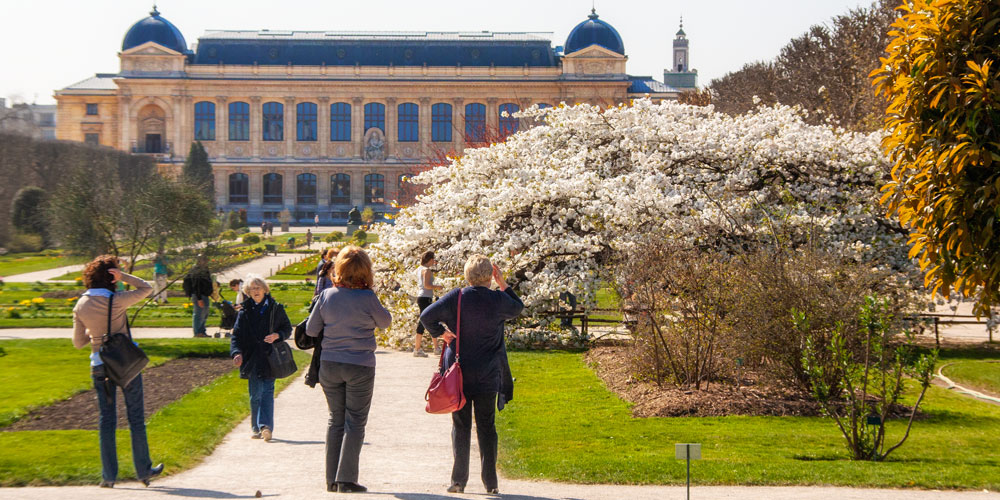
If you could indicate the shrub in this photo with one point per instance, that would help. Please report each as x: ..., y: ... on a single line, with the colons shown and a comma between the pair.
x: 251, y: 239
x: 333, y: 237
x: 360, y: 235
x: 24, y: 242
x: 28, y: 211
x: 227, y: 235
x: 368, y: 215
x: 861, y: 390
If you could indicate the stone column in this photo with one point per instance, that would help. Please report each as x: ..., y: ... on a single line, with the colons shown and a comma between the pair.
x: 221, y: 126
x: 323, y: 127
x: 221, y: 186
x: 391, y: 127
x: 358, y: 129
x: 458, y: 125
x: 425, y: 124
x: 323, y: 191
x: 289, y: 186
x: 256, y: 188
x: 125, y: 123
x: 524, y: 103
x: 358, y: 186
x: 290, y: 127
x: 256, y: 124
x: 492, y: 117
x: 175, y: 136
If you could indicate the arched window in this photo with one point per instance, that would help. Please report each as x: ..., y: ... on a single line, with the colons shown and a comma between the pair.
x: 272, y: 189
x: 508, y: 124
x: 340, y: 189
x: 374, y: 188
x: 274, y: 121
x: 239, y: 188
x: 340, y: 121
x: 204, y: 121
x: 375, y: 116
x: 305, y: 121
x: 305, y: 189
x: 239, y: 121
x: 543, y: 105
x: 475, y: 122
x: 441, y: 122
x: 408, y: 122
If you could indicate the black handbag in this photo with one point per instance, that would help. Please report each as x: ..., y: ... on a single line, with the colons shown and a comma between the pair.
x: 123, y: 360
x: 280, y: 358
x: 302, y: 340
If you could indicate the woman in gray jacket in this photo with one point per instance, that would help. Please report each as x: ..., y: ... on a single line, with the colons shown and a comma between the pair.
x: 347, y: 315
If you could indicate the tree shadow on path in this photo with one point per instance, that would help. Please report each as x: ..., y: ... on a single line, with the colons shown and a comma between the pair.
x: 431, y: 496
x: 199, y: 493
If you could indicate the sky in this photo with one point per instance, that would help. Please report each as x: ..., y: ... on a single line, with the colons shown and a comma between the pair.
x: 50, y: 44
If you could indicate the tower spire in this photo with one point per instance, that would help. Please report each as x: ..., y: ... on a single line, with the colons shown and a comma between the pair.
x: 154, y: 12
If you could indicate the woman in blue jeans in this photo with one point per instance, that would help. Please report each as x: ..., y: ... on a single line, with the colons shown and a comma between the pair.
x: 347, y: 315
x: 90, y: 325
x: 260, y: 322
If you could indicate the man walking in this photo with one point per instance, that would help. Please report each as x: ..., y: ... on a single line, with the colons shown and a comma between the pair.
x: 160, y: 273
x: 198, y: 286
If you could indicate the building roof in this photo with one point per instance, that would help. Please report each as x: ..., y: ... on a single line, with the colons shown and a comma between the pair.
x: 366, y: 48
x: 647, y: 85
x: 594, y: 31
x: 155, y: 29
x: 100, y: 81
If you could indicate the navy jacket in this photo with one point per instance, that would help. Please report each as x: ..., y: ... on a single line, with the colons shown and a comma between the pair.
x: 482, y: 352
x: 253, y: 323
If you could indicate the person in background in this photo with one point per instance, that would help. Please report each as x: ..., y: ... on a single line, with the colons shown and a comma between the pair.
x: 346, y: 315
x: 90, y: 325
x: 425, y: 283
x: 324, y: 280
x: 263, y: 228
x: 316, y: 220
x: 486, y: 379
x: 160, y: 274
x: 260, y: 322
x: 236, y: 285
x: 309, y: 238
x: 198, y: 286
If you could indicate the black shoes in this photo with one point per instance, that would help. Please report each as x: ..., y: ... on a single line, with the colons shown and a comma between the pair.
x: 153, y: 472
x: 351, y: 488
x: 456, y: 488
x: 107, y: 484
x: 493, y: 491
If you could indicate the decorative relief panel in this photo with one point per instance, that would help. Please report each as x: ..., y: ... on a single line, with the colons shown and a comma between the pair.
x: 238, y: 150
x: 273, y: 150
x: 374, y: 145
x: 340, y: 150
x: 306, y: 150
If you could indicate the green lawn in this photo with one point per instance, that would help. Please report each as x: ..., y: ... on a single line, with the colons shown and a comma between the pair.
x: 36, y: 372
x: 19, y: 263
x: 982, y: 375
x: 564, y: 425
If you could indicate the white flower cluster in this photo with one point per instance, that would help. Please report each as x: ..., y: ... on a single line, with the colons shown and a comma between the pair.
x: 554, y: 202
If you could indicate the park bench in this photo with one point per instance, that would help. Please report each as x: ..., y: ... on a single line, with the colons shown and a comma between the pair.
x: 271, y: 249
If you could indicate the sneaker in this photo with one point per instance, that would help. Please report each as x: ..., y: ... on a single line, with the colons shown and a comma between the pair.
x: 346, y: 487
x: 255, y: 435
x: 200, y: 336
x: 265, y: 434
x: 437, y: 351
x: 493, y: 491
x: 456, y: 488
x: 419, y: 353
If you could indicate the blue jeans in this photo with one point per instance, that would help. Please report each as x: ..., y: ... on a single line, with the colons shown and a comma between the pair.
x: 261, y: 402
x: 109, y: 420
x: 199, y: 315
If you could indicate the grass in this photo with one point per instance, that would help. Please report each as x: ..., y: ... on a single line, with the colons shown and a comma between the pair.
x: 983, y: 375
x: 180, y: 434
x: 564, y: 425
x: 19, y: 263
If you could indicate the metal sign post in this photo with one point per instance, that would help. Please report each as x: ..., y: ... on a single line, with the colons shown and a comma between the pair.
x: 689, y: 452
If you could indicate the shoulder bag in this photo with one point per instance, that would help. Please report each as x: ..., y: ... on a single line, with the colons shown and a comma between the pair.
x: 123, y: 359
x: 280, y: 358
x: 445, y: 394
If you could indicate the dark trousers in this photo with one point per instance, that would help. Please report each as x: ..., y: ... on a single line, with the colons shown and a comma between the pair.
x: 108, y: 422
x: 422, y: 303
x: 348, y: 390
x: 484, y: 407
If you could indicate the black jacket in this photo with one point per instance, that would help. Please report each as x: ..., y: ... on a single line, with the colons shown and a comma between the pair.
x: 198, y: 282
x: 482, y: 352
x: 253, y: 323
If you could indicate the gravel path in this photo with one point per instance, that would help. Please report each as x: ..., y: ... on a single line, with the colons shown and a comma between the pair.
x: 407, y: 456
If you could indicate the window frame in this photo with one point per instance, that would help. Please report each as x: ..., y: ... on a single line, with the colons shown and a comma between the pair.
x: 340, y: 121
x: 408, y: 122
x: 441, y: 122
x: 204, y: 121
x: 239, y: 121
x: 475, y: 130
x: 270, y: 120
x: 240, y: 198
x: 375, y: 116
x: 334, y: 198
x: 377, y: 181
x: 268, y: 199
x: 92, y: 109
x: 304, y: 199
x: 306, y: 115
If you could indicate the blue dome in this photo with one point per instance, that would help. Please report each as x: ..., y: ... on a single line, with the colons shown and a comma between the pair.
x: 155, y: 29
x: 593, y: 31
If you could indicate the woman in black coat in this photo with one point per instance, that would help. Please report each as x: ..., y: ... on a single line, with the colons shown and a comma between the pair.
x: 486, y: 379
x: 261, y: 322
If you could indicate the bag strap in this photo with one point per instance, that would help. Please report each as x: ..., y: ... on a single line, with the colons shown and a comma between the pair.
x: 111, y: 307
x: 458, y: 327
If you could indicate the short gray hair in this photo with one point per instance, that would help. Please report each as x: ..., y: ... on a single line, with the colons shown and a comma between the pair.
x: 478, y: 270
x: 254, y: 280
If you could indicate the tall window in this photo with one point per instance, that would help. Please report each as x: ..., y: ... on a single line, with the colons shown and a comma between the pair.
x: 543, y: 105
x: 239, y: 188
x: 475, y: 122
x: 272, y: 189
x: 408, y: 122
x: 204, y: 121
x: 374, y: 188
x: 340, y: 121
x: 508, y: 124
x: 274, y: 121
x: 305, y: 189
x: 239, y: 121
x: 305, y: 122
x: 375, y: 116
x: 441, y: 122
x: 340, y: 189
x: 94, y: 139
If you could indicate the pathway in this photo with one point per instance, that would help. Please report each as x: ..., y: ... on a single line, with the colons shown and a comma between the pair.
x: 264, y: 266
x: 46, y: 275
x: 407, y: 456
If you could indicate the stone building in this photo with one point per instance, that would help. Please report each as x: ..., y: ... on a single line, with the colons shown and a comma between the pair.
x: 33, y: 120
x: 319, y: 122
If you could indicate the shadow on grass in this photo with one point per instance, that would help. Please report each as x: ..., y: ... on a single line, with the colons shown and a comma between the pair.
x: 198, y: 493
x: 970, y: 353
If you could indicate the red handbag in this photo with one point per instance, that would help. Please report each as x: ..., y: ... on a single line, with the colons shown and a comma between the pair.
x: 445, y: 394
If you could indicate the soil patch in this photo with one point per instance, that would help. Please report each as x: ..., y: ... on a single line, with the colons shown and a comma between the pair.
x: 161, y: 386
x: 649, y: 400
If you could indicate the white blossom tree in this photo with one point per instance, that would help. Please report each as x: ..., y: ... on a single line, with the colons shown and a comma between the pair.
x: 552, y: 204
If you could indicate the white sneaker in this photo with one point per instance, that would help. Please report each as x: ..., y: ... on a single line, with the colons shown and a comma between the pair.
x: 437, y: 351
x: 419, y: 353
x: 265, y: 433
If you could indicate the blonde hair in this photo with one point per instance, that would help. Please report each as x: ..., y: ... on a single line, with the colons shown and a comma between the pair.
x: 353, y: 268
x: 478, y: 270
x: 254, y: 280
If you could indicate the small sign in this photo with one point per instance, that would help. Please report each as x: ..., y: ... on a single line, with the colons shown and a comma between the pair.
x: 874, y: 420
x: 687, y: 451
